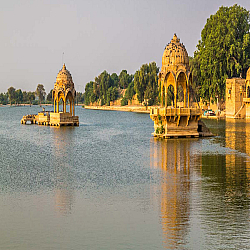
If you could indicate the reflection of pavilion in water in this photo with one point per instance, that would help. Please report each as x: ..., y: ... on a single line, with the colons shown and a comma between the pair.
x: 64, y: 193
x: 237, y: 137
x: 173, y: 157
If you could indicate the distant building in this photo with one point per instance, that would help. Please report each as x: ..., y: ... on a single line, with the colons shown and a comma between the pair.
x: 238, y: 97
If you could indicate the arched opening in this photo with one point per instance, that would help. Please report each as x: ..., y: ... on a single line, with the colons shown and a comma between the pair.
x: 180, y: 97
x: 163, y: 94
x: 61, y: 102
x: 190, y: 91
x: 248, y: 91
x: 182, y: 90
x: 70, y: 100
x: 170, y: 96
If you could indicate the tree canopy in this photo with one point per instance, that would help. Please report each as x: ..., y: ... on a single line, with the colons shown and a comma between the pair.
x: 223, y: 51
x: 40, y: 92
x: 146, y: 83
x: 106, y: 87
x: 11, y: 94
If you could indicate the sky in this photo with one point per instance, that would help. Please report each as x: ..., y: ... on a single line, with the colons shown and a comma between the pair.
x: 37, y: 36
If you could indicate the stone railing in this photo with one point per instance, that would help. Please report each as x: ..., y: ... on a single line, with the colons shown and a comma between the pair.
x: 246, y: 100
x: 175, y: 111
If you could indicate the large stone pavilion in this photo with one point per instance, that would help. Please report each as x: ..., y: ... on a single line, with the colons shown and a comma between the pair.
x: 175, y: 119
x: 64, y: 93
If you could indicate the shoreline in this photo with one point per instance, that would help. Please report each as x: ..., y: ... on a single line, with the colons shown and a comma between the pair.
x: 137, y: 109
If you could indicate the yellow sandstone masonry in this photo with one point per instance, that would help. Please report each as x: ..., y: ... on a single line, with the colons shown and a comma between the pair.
x: 238, y: 97
x: 63, y: 90
x: 174, y: 121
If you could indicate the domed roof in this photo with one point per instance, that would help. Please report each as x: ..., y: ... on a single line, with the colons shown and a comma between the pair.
x: 64, y: 80
x: 175, y: 56
x: 248, y: 74
x: 64, y: 76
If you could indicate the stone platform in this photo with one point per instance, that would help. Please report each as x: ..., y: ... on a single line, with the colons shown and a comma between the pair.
x: 51, y: 119
x: 63, y: 119
x: 178, y: 122
x: 29, y: 118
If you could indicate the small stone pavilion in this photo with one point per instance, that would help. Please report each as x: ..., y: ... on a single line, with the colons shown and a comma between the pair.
x: 64, y: 92
x: 238, y: 97
x: 175, y: 120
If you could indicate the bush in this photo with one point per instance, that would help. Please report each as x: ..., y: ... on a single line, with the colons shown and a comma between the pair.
x: 157, y: 131
x: 162, y: 130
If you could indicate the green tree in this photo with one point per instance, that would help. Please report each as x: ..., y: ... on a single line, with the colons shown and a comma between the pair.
x: 25, y: 97
x: 105, y: 88
x: 79, y: 97
x: 194, y: 90
x: 115, y: 80
x: 19, y: 96
x: 49, y: 96
x: 130, y: 91
x: 146, y: 81
x: 40, y: 92
x: 12, y: 94
x: 3, y: 98
x: 31, y: 97
x: 124, y: 79
x: 89, y: 95
x: 223, y: 51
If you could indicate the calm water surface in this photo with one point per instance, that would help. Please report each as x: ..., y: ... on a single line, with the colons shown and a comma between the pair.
x: 108, y: 184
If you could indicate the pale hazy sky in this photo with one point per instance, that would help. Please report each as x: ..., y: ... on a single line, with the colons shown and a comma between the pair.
x: 94, y: 35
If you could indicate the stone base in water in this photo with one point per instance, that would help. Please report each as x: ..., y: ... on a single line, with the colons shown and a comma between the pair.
x: 178, y: 122
x: 51, y: 119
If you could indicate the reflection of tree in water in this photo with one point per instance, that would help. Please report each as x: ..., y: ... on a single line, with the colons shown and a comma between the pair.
x: 64, y: 193
x: 173, y: 157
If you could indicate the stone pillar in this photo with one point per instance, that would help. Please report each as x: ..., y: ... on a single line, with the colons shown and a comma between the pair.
x: 188, y: 97
x: 185, y: 98
x: 175, y: 97
x: 166, y: 97
x: 73, y: 108
x: 54, y: 105
x: 162, y: 93
x: 70, y: 107
x: 57, y: 106
x: 64, y: 106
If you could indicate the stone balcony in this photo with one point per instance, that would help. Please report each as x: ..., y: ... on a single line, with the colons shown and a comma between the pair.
x: 175, y: 111
x: 246, y: 100
x: 175, y: 122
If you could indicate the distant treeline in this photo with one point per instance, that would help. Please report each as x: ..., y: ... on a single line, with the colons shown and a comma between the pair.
x: 107, y: 88
x: 38, y: 96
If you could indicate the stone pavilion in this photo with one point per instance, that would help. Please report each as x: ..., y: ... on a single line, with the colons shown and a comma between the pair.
x: 64, y: 92
x: 173, y: 119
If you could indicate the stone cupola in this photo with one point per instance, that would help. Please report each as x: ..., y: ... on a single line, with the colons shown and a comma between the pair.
x: 175, y: 72
x: 175, y: 56
x: 64, y: 90
x: 64, y: 80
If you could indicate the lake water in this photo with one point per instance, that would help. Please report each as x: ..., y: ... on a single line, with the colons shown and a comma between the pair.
x: 108, y: 184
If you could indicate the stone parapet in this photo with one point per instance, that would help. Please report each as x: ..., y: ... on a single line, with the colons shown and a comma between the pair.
x: 176, y: 122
